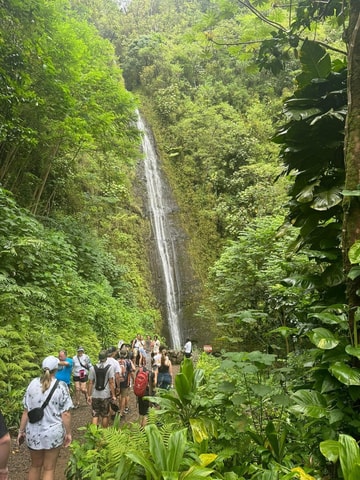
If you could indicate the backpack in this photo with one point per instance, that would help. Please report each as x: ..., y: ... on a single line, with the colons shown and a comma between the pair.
x: 100, y: 375
x: 126, y: 368
x: 141, y: 382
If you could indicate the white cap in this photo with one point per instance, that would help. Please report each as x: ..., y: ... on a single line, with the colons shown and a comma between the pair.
x: 50, y: 363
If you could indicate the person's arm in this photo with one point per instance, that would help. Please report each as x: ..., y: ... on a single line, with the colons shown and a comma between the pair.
x: 89, y: 391
x: 66, y: 419
x: 117, y: 380
x: 21, y: 435
x: 64, y: 363
x: 112, y: 388
x: 171, y: 373
x: 155, y: 376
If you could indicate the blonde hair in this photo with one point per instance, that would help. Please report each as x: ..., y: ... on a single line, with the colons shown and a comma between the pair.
x: 45, y: 379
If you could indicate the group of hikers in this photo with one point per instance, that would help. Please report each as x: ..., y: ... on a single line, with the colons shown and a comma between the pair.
x: 142, y: 365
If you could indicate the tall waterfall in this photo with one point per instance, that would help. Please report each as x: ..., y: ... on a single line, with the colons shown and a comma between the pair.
x: 160, y: 212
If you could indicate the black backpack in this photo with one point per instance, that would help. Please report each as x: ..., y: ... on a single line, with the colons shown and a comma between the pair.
x: 100, y: 375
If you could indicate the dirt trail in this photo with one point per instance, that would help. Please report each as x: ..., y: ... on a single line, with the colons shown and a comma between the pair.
x: 20, y: 459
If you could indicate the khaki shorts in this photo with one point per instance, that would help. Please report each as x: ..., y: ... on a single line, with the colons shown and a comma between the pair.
x: 124, y: 392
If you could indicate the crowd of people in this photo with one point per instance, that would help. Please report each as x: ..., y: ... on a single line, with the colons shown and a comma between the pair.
x: 45, y: 423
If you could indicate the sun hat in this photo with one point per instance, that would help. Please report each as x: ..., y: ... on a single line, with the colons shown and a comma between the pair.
x: 50, y: 363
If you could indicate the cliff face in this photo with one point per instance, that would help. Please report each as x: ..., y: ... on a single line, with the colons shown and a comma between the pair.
x: 173, y: 282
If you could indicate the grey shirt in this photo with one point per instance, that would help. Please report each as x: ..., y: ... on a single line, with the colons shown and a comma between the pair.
x: 106, y: 393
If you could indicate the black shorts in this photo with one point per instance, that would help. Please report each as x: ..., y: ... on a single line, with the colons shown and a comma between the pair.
x: 82, y: 380
x: 3, y: 427
x: 143, y: 406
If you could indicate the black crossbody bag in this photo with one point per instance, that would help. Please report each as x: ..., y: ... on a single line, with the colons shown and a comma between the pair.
x: 36, y: 414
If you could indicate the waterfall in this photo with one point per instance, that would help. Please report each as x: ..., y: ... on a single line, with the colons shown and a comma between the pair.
x: 160, y: 212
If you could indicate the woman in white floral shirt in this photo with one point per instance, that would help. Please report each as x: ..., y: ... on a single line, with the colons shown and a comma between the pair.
x: 45, y: 437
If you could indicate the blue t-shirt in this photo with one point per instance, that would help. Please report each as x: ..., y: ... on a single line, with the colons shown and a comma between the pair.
x: 64, y: 372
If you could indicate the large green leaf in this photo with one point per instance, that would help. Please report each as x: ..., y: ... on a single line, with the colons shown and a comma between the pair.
x: 323, y: 338
x: 183, y: 387
x: 145, y: 463
x: 156, y: 447
x: 199, y: 430
x: 261, y: 390
x: 329, y: 318
x: 354, y: 351
x: 310, y: 403
x: 175, y: 450
x: 354, y: 252
x: 349, y: 455
x: 345, y: 374
x: 327, y: 199
x: 195, y: 473
x: 315, y: 61
x: 330, y: 450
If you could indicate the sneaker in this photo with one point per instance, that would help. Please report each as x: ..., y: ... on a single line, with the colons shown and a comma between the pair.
x: 127, y: 410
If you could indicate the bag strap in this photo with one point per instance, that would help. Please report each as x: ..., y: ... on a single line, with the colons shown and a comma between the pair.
x: 50, y: 394
x: 86, y: 368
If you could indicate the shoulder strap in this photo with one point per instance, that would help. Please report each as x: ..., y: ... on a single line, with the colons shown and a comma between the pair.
x: 50, y: 394
x: 86, y: 368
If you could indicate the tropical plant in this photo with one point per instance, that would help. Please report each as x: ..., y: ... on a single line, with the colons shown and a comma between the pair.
x: 346, y: 451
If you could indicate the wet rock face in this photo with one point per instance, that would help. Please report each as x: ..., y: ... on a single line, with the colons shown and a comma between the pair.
x: 174, y: 285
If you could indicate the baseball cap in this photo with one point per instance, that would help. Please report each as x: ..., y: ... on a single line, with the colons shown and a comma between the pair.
x: 50, y: 363
x: 80, y: 349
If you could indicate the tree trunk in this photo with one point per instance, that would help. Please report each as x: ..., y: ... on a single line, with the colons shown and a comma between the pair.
x: 351, y: 226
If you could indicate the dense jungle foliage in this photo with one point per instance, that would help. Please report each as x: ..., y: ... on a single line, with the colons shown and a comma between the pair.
x: 248, y: 102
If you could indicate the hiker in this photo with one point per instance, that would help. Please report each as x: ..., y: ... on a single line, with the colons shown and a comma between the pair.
x: 155, y: 346
x: 101, y: 390
x: 127, y: 376
x: 188, y: 348
x: 148, y: 344
x: 163, y: 372
x: 112, y: 355
x: 81, y: 368
x: 135, y: 345
x: 48, y: 433
x: 5, y: 445
x: 65, y: 367
x: 147, y: 390
x: 142, y: 353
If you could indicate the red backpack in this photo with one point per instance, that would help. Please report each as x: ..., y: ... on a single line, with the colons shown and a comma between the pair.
x: 141, y: 382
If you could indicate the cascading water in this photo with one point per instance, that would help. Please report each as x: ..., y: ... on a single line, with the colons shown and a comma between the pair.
x: 160, y: 212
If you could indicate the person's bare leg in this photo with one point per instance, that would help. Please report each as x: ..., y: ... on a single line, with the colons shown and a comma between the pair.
x: 83, y: 388
x: 105, y: 422
x: 77, y: 394
x: 50, y: 459
x: 5, y: 445
x: 143, y: 420
x: 37, y: 460
x: 122, y: 405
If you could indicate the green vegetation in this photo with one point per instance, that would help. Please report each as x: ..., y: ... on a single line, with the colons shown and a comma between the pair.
x: 73, y: 263
x: 269, y: 203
